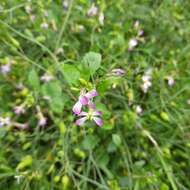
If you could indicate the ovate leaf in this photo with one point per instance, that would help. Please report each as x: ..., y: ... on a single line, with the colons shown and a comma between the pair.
x: 92, y: 62
x: 33, y: 79
x: 70, y: 73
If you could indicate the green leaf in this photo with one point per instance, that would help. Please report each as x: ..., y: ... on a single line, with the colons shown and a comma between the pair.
x: 92, y: 61
x: 116, y: 139
x: 90, y: 142
x: 33, y: 79
x: 54, y: 92
x: 71, y: 73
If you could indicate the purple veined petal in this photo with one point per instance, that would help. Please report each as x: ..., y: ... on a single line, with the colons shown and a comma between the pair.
x: 91, y: 94
x: 77, y: 108
x: 83, y: 113
x: 81, y: 121
x: 83, y: 100
x: 98, y: 121
x: 97, y: 113
x: 91, y: 105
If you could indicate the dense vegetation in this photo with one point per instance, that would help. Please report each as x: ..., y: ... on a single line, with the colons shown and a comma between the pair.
x: 94, y: 95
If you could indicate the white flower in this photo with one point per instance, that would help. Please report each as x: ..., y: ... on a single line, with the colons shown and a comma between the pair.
x: 136, y: 24
x: 28, y: 9
x: 46, y: 77
x: 171, y: 81
x: 93, y: 11
x: 5, y: 68
x: 5, y: 121
x: 101, y: 18
x: 132, y: 43
x: 139, y: 109
x: 65, y: 4
x: 44, y: 25
x: 146, y: 83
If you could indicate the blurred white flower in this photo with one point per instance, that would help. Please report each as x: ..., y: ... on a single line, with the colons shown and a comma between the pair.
x: 28, y: 9
x: 101, y: 19
x: 188, y: 101
x: 44, y: 25
x: 136, y: 24
x: 6, y: 68
x: 139, y: 109
x: 47, y: 77
x: 146, y: 83
x: 132, y: 44
x: 5, y: 121
x: 171, y: 81
x: 93, y: 11
x: 65, y: 4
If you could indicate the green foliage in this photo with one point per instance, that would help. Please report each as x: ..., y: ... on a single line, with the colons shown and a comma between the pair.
x: 144, y: 141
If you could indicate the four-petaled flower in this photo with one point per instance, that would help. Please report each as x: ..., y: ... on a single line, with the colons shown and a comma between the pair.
x: 84, y: 99
x: 91, y: 115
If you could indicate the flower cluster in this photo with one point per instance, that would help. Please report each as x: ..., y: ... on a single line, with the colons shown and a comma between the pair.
x: 85, y: 99
x: 133, y: 42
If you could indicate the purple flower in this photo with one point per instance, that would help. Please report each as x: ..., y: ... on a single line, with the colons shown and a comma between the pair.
x: 117, y: 72
x: 84, y: 99
x: 141, y: 32
x: 91, y: 115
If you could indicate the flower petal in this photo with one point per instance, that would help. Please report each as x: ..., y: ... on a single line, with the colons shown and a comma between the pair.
x: 77, y: 108
x: 92, y: 105
x: 91, y: 94
x: 81, y: 121
x: 83, y: 100
x: 83, y: 113
x: 97, y: 112
x: 98, y: 121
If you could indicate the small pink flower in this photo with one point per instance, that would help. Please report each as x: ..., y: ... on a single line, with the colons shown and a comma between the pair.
x: 83, y: 99
x: 42, y: 121
x: 19, y: 110
x: 91, y: 115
